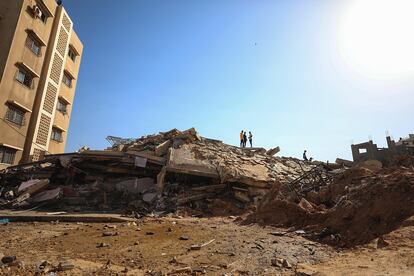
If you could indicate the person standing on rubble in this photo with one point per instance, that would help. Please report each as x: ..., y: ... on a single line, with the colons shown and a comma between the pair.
x: 251, y: 139
x: 244, y: 139
x: 241, y: 139
x: 304, y: 156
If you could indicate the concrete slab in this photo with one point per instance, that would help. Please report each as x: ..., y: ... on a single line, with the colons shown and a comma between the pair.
x: 28, y: 216
x: 183, y: 160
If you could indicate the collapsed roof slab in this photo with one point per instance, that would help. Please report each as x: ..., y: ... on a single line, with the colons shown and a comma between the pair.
x: 183, y: 160
x: 188, y: 160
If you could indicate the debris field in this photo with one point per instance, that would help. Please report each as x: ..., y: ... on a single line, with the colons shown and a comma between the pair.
x: 155, y: 174
x: 177, y: 203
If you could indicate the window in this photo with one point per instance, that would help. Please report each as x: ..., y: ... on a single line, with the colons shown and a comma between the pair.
x: 24, y: 78
x: 15, y: 115
x: 33, y: 45
x: 362, y: 150
x: 67, y: 80
x: 62, y: 106
x: 56, y: 135
x: 71, y: 54
x: 7, y: 155
x: 43, y: 17
x: 38, y: 11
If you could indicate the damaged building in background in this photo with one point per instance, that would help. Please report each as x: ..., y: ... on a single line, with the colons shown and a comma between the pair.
x: 370, y: 151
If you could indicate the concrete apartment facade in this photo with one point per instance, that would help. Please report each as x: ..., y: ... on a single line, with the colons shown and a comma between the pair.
x: 40, y: 55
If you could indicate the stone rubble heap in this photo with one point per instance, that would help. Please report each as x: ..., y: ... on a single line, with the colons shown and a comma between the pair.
x: 155, y: 174
x: 350, y: 207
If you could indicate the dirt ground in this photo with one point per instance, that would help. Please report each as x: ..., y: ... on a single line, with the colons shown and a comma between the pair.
x: 160, y: 246
x: 395, y: 259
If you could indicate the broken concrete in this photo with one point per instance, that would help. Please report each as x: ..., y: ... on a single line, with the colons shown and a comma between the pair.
x: 156, y: 173
x: 273, y: 151
x: 135, y: 185
x: 32, y: 186
x: 167, y: 181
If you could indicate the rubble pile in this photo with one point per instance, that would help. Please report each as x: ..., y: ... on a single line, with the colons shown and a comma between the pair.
x: 356, y: 207
x: 154, y: 174
x: 402, y: 160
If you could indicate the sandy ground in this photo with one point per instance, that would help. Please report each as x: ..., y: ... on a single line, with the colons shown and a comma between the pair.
x: 156, y: 247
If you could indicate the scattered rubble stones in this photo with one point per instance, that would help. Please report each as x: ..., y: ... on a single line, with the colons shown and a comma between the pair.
x: 108, y: 234
x: 343, y: 216
x: 286, y: 264
x: 152, y: 176
x: 280, y: 262
x: 195, y: 247
x: 110, y: 226
x: 178, y: 173
x: 381, y: 243
x: 277, y: 262
x: 278, y: 233
x: 8, y: 259
x: 305, y: 270
x: 43, y: 265
x: 63, y: 266
x: 149, y: 197
x: 182, y: 270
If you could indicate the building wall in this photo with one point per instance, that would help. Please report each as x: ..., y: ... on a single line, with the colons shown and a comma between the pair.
x: 9, y: 16
x: 67, y: 94
x: 16, y: 23
x: 385, y: 155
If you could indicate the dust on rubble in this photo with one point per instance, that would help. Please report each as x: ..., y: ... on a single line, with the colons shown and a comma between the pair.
x: 357, y: 207
x: 397, y: 258
x: 173, y: 171
x: 194, y: 205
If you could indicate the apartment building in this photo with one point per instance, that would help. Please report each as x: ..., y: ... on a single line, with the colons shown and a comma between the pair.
x: 40, y: 55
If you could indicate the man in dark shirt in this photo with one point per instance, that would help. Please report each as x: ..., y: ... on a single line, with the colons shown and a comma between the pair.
x: 304, y: 156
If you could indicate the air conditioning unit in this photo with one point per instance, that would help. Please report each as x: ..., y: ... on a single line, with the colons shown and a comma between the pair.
x: 37, y: 12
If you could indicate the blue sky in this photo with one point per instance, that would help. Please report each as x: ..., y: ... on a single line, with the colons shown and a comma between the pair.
x: 272, y: 67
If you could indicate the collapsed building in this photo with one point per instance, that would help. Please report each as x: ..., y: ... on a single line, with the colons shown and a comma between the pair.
x: 154, y: 174
x: 183, y: 173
